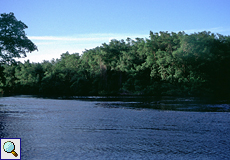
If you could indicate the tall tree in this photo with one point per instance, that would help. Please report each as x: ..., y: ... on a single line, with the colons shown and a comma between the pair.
x: 13, y: 41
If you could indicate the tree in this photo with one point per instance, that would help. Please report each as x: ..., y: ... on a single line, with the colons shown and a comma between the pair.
x: 13, y: 41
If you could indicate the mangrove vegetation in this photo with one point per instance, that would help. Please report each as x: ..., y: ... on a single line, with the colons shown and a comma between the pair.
x: 166, y: 63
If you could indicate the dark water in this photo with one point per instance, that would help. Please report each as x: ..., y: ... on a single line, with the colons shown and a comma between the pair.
x: 99, y: 128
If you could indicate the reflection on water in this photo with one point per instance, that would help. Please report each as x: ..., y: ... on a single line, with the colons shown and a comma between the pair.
x: 116, y: 128
x: 169, y: 106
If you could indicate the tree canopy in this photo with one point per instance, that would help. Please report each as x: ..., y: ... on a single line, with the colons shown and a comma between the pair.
x: 165, y: 64
x: 13, y: 41
x: 173, y: 64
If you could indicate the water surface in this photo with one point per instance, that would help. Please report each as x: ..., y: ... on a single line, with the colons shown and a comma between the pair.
x: 115, y: 128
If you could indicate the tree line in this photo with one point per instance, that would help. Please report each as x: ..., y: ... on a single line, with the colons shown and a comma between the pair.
x: 173, y: 64
x: 166, y: 63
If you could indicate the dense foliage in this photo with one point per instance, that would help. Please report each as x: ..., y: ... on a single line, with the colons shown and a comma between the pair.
x: 13, y: 41
x: 163, y: 64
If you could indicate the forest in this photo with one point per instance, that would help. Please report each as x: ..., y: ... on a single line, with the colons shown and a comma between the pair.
x: 165, y: 64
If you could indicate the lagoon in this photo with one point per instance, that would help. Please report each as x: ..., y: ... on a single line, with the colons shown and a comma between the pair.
x: 117, y: 127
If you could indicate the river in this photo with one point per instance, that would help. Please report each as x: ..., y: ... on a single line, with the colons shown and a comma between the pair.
x: 115, y: 128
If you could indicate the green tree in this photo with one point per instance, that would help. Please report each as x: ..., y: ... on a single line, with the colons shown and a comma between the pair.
x: 28, y: 77
x: 165, y: 64
x: 13, y: 41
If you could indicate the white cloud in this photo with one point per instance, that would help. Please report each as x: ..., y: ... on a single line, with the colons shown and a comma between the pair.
x: 86, y: 37
x: 213, y: 30
x: 52, y: 38
x: 50, y: 47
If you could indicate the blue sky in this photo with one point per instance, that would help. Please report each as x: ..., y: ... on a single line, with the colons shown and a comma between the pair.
x: 57, y: 26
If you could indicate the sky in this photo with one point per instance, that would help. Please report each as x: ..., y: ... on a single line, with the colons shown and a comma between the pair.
x: 58, y: 26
